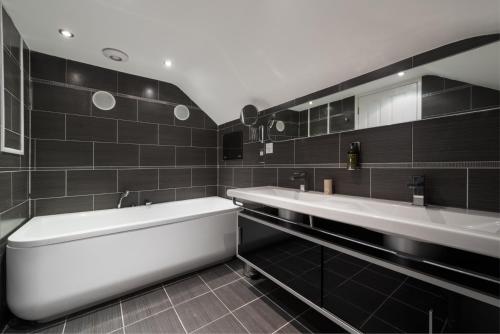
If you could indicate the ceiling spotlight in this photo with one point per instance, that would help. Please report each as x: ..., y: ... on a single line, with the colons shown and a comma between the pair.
x: 66, y: 33
x: 400, y: 74
x: 310, y: 102
x: 115, y: 54
x: 167, y: 63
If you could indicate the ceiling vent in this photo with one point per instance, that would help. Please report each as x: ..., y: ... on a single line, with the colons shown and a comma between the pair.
x: 115, y: 54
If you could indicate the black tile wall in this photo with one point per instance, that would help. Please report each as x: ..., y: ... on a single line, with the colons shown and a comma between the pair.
x: 83, y: 156
x: 444, y: 150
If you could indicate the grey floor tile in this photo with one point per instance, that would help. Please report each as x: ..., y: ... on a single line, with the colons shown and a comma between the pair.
x: 237, y: 294
x: 164, y: 322
x: 53, y: 329
x: 262, y: 316
x: 225, y: 325
x: 102, y: 320
x: 186, y: 289
x: 200, y: 311
x: 217, y: 276
x: 144, y: 305
x: 236, y: 265
x: 293, y: 327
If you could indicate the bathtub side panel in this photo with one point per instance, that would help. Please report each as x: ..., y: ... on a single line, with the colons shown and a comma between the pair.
x: 49, y: 281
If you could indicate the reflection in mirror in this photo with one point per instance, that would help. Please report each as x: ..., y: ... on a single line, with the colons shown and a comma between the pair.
x: 12, y: 88
x: 466, y: 82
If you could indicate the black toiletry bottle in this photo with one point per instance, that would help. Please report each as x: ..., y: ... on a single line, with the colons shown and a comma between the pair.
x: 353, y: 157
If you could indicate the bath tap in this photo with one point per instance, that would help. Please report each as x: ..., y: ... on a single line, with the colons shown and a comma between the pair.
x: 122, y: 196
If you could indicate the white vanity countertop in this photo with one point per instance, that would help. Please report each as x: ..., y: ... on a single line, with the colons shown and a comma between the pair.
x: 474, y: 231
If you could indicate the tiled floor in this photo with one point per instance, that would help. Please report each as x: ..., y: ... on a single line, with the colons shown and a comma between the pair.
x: 216, y: 300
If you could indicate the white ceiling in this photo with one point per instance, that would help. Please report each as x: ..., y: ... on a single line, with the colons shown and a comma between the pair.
x: 228, y: 53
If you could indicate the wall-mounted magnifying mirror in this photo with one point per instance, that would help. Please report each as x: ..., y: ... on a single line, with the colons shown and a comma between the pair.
x: 11, y: 88
x: 103, y: 100
x: 249, y: 115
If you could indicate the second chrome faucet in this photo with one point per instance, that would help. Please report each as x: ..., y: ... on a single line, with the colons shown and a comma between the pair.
x: 300, y: 176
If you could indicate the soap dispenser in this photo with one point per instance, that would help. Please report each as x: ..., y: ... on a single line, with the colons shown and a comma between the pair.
x: 353, y: 156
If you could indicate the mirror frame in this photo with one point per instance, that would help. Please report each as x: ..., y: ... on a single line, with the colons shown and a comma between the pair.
x: 4, y: 148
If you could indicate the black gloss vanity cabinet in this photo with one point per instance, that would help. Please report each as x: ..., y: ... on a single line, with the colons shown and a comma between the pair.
x: 348, y: 279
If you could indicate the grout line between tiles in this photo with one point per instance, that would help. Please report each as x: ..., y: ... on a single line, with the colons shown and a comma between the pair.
x: 246, y: 329
x: 121, y: 313
x: 173, y: 307
x: 64, y: 326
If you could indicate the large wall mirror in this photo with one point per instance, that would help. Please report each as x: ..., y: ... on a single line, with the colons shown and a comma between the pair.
x: 11, y: 87
x: 465, y: 82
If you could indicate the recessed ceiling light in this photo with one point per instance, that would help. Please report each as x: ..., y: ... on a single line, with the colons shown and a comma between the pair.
x: 310, y: 102
x: 66, y: 33
x: 167, y: 63
x: 401, y: 73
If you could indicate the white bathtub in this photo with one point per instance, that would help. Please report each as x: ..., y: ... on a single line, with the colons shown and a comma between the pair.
x: 62, y: 263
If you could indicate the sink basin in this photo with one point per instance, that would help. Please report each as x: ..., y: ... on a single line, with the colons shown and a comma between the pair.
x: 470, y: 230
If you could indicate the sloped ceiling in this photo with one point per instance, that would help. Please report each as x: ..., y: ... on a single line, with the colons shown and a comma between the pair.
x: 228, y: 53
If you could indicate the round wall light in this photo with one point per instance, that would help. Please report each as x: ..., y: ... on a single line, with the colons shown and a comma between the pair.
x: 181, y: 112
x: 115, y: 54
x: 103, y: 100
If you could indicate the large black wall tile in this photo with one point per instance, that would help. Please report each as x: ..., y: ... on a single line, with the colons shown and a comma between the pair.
x: 187, y: 156
x: 264, y: 177
x: 171, y: 93
x: 125, y: 108
x: 189, y: 193
x: 470, y: 137
x: 61, y: 99
x: 52, y: 206
x: 48, y: 184
x: 19, y: 187
x: 47, y: 125
x: 110, y: 201
x: 174, y: 135
x: 48, y: 67
x: 390, y: 143
x: 211, y: 156
x: 284, y: 178
x: 84, y: 182
x: 5, y: 194
x: 137, y: 133
x: 175, y: 178
x: 251, y: 154
x: 242, y: 177
x: 196, y: 119
x: 484, y: 189
x: 315, y: 150
x: 116, y: 154
x: 156, y: 112
x: 283, y: 153
x: 157, y: 196
x: 137, y: 86
x: 50, y: 153
x: 204, y: 176
x: 90, y: 128
x: 137, y: 179
x: 442, y: 186
x: 226, y: 176
x: 153, y: 155
x: 483, y: 97
x: 345, y: 182
x: 90, y: 76
x: 445, y: 103
x: 204, y: 138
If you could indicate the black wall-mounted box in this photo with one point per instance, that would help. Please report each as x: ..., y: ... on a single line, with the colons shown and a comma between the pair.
x: 232, y: 146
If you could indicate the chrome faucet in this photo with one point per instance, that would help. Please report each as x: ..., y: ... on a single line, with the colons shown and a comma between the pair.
x: 300, y: 176
x: 418, y: 190
x: 122, y: 196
